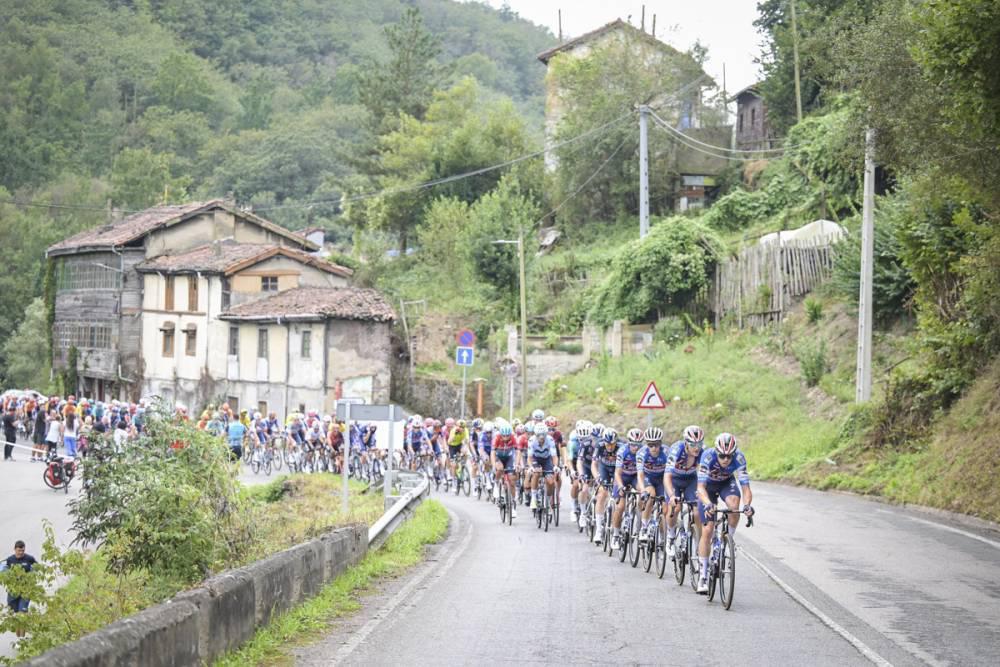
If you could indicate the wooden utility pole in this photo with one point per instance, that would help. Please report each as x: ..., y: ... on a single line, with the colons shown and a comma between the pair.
x: 795, y: 57
x: 863, y: 389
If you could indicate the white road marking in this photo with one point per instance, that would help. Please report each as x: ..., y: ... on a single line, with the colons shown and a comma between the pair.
x: 862, y: 648
x: 404, y: 595
x: 942, y: 526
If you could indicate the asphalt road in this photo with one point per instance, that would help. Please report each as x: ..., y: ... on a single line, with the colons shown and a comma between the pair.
x: 848, y: 582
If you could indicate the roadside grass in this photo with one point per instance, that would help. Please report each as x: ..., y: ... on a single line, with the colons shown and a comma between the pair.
x: 271, y: 644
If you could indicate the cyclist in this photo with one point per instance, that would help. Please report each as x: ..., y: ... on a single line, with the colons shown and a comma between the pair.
x: 651, y: 463
x: 552, y: 424
x: 544, y: 459
x: 626, y: 469
x: 504, y: 458
x: 680, y: 479
x: 580, y: 439
x: 456, y: 445
x: 605, y: 455
x: 439, y: 444
x: 475, y: 434
x: 719, y: 470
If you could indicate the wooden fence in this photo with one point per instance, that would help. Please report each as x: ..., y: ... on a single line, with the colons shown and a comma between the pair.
x: 756, y: 287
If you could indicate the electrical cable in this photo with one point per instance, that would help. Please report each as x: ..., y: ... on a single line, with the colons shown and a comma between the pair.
x: 586, y: 182
x: 677, y: 136
x: 718, y: 148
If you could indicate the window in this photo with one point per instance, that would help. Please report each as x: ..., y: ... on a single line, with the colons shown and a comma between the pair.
x: 234, y: 404
x: 269, y: 283
x: 753, y: 118
x: 306, y: 344
x: 191, y: 340
x: 226, y: 294
x: 262, y: 343
x: 262, y: 408
x: 168, y: 339
x: 88, y: 275
x: 234, y: 341
x: 193, y: 293
x: 72, y: 334
x: 168, y: 299
x: 739, y: 126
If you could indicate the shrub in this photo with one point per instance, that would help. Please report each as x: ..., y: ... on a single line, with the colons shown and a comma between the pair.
x: 813, y: 362
x: 814, y: 310
x: 672, y: 330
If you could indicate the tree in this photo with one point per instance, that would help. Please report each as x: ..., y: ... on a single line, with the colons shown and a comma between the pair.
x: 405, y: 83
x: 26, y: 351
x: 141, y: 178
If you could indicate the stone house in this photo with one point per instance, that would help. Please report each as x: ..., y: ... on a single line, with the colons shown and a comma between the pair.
x: 141, y: 299
x: 753, y: 133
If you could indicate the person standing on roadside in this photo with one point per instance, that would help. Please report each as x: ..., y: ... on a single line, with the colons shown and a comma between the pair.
x: 52, y: 432
x: 38, y: 434
x: 17, y: 604
x: 9, y: 432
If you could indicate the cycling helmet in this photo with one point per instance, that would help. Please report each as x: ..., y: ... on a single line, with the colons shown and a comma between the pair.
x: 538, y: 415
x: 583, y: 429
x: 428, y: 422
x: 450, y: 421
x: 634, y: 436
x: 515, y: 421
x: 652, y: 435
x: 460, y: 423
x: 488, y: 427
x: 551, y: 422
x: 693, y: 435
x: 597, y: 430
x: 541, y: 430
x: 610, y: 436
x: 725, y: 443
x: 519, y: 429
x: 437, y: 423
x: 579, y: 423
x: 477, y: 423
x: 505, y: 431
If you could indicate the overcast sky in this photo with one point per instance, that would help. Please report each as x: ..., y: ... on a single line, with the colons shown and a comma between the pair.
x: 724, y: 26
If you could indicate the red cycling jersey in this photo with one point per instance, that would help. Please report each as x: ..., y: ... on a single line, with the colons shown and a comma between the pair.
x: 500, y: 446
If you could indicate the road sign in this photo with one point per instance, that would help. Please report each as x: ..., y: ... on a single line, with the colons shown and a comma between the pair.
x: 369, y: 413
x: 651, y: 398
x: 465, y: 338
x: 465, y: 356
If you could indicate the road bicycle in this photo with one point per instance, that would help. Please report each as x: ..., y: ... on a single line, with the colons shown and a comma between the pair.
x: 608, y: 530
x: 463, y: 478
x: 655, y: 547
x: 589, y: 515
x: 276, y: 445
x: 505, y: 502
x: 685, y: 543
x: 630, y: 525
x: 722, y: 560
x: 543, y: 512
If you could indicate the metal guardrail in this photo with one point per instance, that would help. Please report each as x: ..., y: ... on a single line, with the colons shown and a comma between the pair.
x: 389, y: 521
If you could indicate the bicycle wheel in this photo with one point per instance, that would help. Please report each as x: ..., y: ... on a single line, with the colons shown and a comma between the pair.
x: 503, y: 509
x: 661, y: 549
x: 267, y: 465
x: 623, y: 539
x: 555, y: 509
x: 608, y: 529
x: 466, y: 483
x: 538, y: 517
x: 727, y: 571
x: 713, y: 573
x: 510, y: 504
x: 49, y: 478
x: 255, y: 464
x: 277, y: 458
x: 649, y: 548
x: 591, y: 520
x: 633, y: 545
x: 246, y: 452
x: 480, y: 482
x: 546, y: 509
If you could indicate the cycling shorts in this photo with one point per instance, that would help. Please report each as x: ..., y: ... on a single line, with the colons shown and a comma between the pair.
x: 544, y: 463
x: 686, y: 488
x: 716, y: 490
x: 587, y: 472
x: 507, y: 459
x: 655, y: 481
x: 454, y: 452
x: 627, y: 480
x: 436, y: 448
x: 605, y: 474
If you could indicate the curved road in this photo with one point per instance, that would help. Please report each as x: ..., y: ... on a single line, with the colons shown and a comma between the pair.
x: 848, y: 582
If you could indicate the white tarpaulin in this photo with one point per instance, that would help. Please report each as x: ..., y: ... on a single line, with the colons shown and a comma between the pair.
x: 819, y: 229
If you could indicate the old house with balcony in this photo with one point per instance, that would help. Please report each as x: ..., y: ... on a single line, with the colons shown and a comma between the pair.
x: 143, y: 301
x: 753, y: 132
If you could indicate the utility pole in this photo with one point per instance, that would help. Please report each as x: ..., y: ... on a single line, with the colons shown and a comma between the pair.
x: 524, y: 318
x: 795, y: 57
x: 863, y: 391
x: 643, y: 171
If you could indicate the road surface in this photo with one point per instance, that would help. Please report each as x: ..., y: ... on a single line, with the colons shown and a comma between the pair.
x: 849, y: 582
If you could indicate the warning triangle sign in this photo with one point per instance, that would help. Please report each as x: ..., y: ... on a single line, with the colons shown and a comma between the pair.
x: 651, y: 398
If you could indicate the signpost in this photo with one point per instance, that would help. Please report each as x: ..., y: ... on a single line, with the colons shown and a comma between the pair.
x: 511, y: 371
x: 651, y: 399
x: 465, y: 356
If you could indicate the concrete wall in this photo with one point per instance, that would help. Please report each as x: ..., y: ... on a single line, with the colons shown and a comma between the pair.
x: 200, y: 625
x: 358, y: 354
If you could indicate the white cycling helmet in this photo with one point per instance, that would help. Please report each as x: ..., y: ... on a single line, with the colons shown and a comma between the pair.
x: 541, y: 430
x: 725, y: 444
x: 583, y: 429
x: 488, y: 427
x: 694, y: 435
x: 538, y: 415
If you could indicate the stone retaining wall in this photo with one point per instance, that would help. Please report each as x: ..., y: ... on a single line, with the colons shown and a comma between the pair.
x: 198, y: 626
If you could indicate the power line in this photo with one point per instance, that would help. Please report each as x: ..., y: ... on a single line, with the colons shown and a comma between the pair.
x: 72, y: 207
x: 586, y: 182
x: 718, y: 148
x: 680, y: 138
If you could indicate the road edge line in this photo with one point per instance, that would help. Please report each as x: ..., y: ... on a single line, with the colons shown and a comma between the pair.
x: 402, y: 594
x: 951, y: 529
x: 862, y: 648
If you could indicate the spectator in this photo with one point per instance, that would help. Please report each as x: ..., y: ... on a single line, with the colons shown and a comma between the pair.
x: 71, y: 429
x: 38, y: 434
x: 235, y: 434
x: 53, y: 432
x: 19, y: 605
x: 9, y: 432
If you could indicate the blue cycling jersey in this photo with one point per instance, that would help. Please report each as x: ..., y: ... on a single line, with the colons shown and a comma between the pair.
x: 486, y: 440
x: 710, y: 469
x: 605, y: 456
x: 542, y: 448
x: 585, y: 448
x: 626, y: 460
x: 649, y: 464
x: 677, y: 464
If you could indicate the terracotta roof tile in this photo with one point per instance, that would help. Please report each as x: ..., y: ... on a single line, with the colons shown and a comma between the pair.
x: 228, y: 256
x: 346, y: 303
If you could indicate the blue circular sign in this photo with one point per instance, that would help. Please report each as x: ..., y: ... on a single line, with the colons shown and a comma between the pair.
x: 466, y: 338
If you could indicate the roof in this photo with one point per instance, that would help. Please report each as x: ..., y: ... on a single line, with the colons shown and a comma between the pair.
x: 309, y: 230
x: 229, y: 257
x: 316, y: 303
x: 138, y: 225
x: 547, y: 55
x: 752, y: 89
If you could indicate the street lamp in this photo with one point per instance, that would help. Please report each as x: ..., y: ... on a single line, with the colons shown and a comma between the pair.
x: 524, y: 311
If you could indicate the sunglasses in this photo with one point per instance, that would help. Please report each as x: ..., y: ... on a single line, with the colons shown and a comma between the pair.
x: 725, y: 456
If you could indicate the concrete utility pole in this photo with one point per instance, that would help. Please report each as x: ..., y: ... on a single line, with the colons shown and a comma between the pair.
x: 524, y: 318
x: 643, y: 171
x: 863, y: 391
x: 795, y: 57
